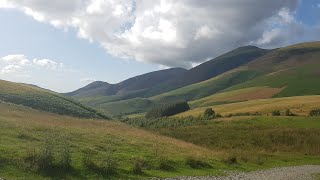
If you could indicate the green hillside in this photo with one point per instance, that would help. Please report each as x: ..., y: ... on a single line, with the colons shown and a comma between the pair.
x: 211, y: 68
x: 44, y: 100
x: 206, y: 88
x: 129, y: 88
x: 124, y: 107
x: 292, y: 70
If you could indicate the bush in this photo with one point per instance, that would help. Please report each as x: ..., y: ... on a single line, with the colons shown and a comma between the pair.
x: 166, y: 165
x: 110, y: 165
x: 276, y: 113
x: 196, y: 164
x: 210, y: 112
x: 231, y: 159
x: 168, y: 110
x: 138, y: 166
x: 315, y: 112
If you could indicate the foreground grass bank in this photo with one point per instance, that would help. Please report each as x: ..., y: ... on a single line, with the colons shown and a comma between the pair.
x: 38, y: 145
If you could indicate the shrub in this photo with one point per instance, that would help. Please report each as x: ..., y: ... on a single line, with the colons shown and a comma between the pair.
x: 315, y: 112
x: 259, y: 160
x: 231, y: 159
x: 276, y: 113
x: 138, y: 166
x: 110, y: 165
x: 196, y: 164
x: 168, y: 110
x: 209, y: 112
x: 166, y: 165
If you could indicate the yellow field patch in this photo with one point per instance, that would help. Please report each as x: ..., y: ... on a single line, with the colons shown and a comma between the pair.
x: 238, y: 95
x: 300, y: 105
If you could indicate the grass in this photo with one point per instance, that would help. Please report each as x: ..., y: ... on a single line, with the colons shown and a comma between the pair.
x: 27, y: 136
x: 300, y: 105
x: 132, y: 106
x: 235, y: 96
x: 249, y: 138
x: 44, y: 100
x: 205, y: 88
x: 39, y: 145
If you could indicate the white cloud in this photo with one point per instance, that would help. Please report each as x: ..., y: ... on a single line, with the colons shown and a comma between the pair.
x: 168, y: 32
x: 18, y: 59
x: 19, y: 63
x: 10, y: 69
x: 47, y: 63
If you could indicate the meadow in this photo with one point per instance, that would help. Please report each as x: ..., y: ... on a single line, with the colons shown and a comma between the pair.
x: 299, y: 105
x: 40, y: 145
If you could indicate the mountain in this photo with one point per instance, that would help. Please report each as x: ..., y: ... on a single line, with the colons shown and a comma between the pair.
x: 284, y: 72
x: 43, y: 100
x: 212, y: 68
x: 138, y: 84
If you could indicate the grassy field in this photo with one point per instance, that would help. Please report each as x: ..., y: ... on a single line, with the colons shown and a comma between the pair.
x: 248, y: 138
x: 41, y: 99
x: 300, y: 105
x: 27, y: 134
x: 236, y: 96
x: 39, y: 145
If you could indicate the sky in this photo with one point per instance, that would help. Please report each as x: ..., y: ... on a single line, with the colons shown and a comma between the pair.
x: 63, y: 45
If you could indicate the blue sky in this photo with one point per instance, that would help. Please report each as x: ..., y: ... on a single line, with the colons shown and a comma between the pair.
x: 64, y: 50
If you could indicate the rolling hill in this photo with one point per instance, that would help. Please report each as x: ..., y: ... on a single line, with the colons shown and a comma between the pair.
x: 41, y: 99
x: 136, y: 85
x: 243, y: 74
x: 105, y: 97
x: 289, y: 71
x: 212, y: 68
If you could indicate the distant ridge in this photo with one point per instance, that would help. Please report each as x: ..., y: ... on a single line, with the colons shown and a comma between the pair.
x: 135, y: 84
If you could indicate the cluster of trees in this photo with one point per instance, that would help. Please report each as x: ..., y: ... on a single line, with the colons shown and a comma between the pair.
x: 315, y: 112
x: 168, y: 110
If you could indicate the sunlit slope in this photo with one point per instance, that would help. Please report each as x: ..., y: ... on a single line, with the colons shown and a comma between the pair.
x: 300, y: 105
x: 294, y: 70
x: 206, y: 88
x: 24, y: 131
x: 236, y: 96
x: 44, y: 100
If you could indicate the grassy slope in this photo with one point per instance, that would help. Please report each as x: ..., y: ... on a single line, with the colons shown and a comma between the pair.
x: 294, y: 70
x: 205, y: 88
x: 246, y: 136
x: 211, y: 68
x: 131, y: 106
x: 236, y: 96
x: 24, y: 130
x: 43, y: 100
x: 300, y: 105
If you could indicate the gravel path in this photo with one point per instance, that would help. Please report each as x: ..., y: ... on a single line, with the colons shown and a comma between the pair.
x: 282, y: 173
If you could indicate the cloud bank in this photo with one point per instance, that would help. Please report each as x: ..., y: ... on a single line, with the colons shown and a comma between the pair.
x: 19, y: 64
x: 171, y: 32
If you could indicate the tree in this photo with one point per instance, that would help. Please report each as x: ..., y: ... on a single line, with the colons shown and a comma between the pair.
x: 276, y: 113
x: 209, y: 112
x: 168, y: 110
